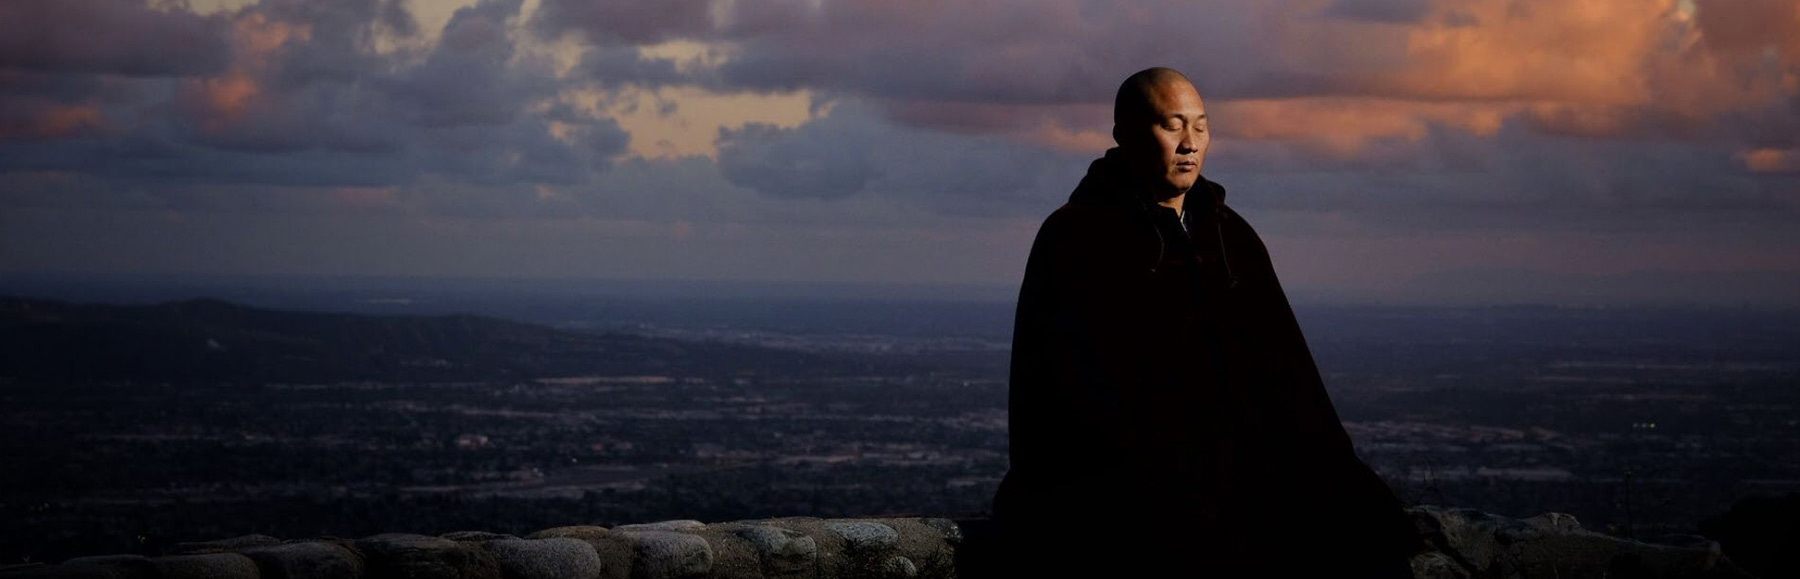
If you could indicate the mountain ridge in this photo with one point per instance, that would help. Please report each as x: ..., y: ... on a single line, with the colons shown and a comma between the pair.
x: 208, y: 339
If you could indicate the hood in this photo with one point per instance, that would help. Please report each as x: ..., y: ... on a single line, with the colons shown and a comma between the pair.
x: 1104, y: 185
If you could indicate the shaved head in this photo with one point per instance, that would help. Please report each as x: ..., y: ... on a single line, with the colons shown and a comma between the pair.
x: 1133, y: 102
x: 1159, y: 122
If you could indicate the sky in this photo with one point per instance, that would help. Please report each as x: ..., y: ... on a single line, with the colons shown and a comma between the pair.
x: 1399, y: 151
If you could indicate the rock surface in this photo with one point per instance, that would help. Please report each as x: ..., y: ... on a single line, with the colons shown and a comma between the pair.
x: 1464, y: 544
x: 552, y: 558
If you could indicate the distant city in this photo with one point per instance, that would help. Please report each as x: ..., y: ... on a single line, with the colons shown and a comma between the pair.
x: 354, y: 410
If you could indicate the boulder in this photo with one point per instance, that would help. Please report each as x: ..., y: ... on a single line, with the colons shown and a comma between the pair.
x: 780, y: 552
x: 865, y: 536
x: 616, y: 550
x: 206, y: 566
x: 1554, y: 546
x: 306, y: 560
x: 670, y: 555
x: 552, y: 558
x: 423, y: 557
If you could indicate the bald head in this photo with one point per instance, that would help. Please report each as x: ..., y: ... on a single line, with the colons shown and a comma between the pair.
x: 1160, y: 125
x: 1135, y: 101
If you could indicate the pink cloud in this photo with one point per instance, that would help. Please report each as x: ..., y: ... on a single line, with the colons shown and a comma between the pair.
x: 51, y: 122
x: 218, y: 102
x: 1771, y: 160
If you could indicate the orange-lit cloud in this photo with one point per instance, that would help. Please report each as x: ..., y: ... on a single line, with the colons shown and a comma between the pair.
x: 1585, y: 52
x: 1602, y: 67
x: 1771, y: 160
x: 1469, y: 120
x: 52, y: 122
x: 1341, y: 127
x: 220, y: 101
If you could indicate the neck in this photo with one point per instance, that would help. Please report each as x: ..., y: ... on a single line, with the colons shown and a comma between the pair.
x: 1174, y: 202
x: 1159, y: 193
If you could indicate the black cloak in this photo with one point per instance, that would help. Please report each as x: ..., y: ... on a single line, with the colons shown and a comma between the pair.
x: 1162, y: 391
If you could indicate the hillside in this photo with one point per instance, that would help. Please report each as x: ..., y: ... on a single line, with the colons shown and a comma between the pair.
x: 216, y: 341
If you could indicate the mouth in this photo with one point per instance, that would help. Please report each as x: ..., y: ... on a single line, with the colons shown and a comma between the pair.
x: 1185, y: 166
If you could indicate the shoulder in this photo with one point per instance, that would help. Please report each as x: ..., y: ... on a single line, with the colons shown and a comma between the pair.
x: 1237, y: 229
x: 1076, y: 213
x: 1091, y: 237
x: 1085, y: 224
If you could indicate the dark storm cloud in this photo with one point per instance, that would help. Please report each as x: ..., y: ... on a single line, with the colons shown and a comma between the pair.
x: 1674, y: 76
x: 470, y: 79
x: 1027, y: 54
x: 1515, y: 180
x: 1392, y: 119
x: 853, y: 150
x: 616, y: 22
x: 613, y: 66
x: 109, y: 36
x: 303, y: 99
x: 800, y: 162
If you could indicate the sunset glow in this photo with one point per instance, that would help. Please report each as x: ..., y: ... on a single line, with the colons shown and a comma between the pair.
x: 1372, y: 142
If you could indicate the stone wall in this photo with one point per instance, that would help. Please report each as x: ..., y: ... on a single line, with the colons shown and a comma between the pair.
x: 1465, y: 544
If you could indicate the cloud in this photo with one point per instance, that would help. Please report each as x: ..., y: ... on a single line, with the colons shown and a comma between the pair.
x: 1772, y: 160
x: 305, y: 96
x: 1670, y: 69
x: 109, y: 36
x: 1388, y: 121
x: 616, y: 22
x: 855, y: 149
x: 1390, y: 11
x: 801, y: 162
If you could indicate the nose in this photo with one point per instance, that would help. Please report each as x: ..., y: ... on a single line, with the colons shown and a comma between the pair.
x: 1187, y: 142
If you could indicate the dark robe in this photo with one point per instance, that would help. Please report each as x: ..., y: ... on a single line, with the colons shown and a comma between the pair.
x: 1164, y: 401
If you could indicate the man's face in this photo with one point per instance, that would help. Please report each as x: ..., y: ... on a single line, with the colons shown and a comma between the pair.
x: 1169, y: 146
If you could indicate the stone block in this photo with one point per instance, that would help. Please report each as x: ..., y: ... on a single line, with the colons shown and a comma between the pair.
x: 732, y: 556
x: 206, y: 566
x: 1553, y: 545
x: 111, y: 567
x: 863, y: 537
x: 423, y: 557
x: 617, y: 551
x: 306, y: 560
x: 670, y: 555
x: 780, y: 552
x: 552, y: 558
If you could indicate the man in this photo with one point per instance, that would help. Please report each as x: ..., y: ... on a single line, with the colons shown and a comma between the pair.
x: 1166, y: 415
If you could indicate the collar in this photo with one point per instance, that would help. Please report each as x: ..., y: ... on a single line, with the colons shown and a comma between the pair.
x: 1105, y: 185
